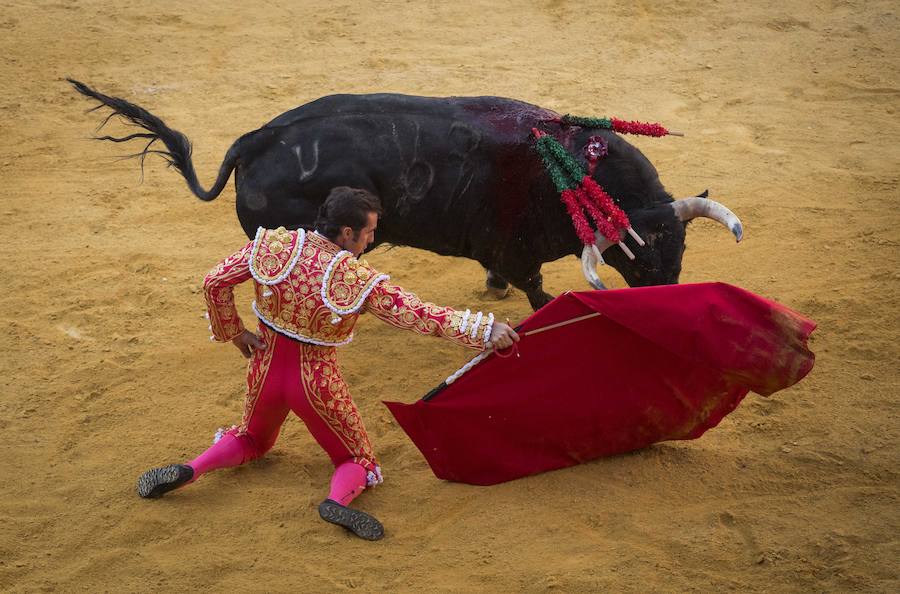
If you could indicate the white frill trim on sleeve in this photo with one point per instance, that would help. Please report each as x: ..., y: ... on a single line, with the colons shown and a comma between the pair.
x: 472, y: 331
x: 488, y: 328
x: 465, y: 321
x: 474, y: 334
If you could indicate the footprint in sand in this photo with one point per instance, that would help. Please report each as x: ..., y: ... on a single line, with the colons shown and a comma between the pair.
x: 729, y: 521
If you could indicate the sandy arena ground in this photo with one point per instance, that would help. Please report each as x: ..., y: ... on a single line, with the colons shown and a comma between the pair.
x: 790, y: 111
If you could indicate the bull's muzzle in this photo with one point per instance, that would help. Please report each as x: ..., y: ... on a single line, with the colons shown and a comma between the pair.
x: 686, y: 209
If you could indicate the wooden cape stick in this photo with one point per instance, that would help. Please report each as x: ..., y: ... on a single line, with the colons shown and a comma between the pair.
x: 559, y: 324
x: 437, y: 389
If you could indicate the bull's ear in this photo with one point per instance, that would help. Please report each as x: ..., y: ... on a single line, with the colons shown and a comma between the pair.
x: 704, y: 194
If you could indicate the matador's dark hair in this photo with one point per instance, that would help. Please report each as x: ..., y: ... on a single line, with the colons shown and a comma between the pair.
x: 346, y: 207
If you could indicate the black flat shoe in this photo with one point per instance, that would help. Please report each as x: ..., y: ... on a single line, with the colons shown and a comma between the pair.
x: 358, y: 522
x: 154, y: 483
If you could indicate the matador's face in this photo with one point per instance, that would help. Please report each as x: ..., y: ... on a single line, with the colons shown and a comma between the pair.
x: 356, y: 243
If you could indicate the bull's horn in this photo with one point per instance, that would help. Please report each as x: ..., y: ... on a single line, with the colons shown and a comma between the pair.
x: 601, y: 242
x: 688, y: 209
x: 589, y: 268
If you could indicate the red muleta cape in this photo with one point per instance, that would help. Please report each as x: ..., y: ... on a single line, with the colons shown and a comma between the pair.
x: 659, y: 363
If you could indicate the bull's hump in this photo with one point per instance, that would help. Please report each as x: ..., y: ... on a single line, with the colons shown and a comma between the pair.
x: 393, y: 104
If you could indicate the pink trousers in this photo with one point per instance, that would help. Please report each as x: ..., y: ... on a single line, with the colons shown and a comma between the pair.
x: 291, y: 376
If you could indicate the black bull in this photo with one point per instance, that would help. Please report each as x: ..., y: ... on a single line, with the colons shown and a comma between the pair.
x: 456, y: 176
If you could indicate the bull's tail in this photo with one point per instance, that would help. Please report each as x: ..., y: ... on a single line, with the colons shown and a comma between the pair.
x: 179, y: 150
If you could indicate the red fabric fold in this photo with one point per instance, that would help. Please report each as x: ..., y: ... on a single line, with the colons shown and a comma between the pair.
x: 660, y: 363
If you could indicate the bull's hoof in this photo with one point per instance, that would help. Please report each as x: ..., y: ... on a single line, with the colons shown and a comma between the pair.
x: 358, y: 522
x: 158, y: 481
x: 496, y: 293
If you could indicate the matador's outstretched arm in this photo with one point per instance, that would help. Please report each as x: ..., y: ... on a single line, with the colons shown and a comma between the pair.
x: 403, y: 309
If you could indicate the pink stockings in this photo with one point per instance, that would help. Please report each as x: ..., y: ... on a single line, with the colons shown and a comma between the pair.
x: 348, y: 480
x: 225, y: 453
x: 293, y: 376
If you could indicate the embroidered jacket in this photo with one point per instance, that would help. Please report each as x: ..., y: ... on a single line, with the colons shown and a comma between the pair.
x: 309, y: 289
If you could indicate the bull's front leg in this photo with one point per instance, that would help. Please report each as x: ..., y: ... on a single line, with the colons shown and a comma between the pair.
x: 497, y: 287
x: 532, y: 282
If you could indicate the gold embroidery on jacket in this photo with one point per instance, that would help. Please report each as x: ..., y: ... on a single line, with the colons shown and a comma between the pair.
x: 275, y: 249
x: 403, y: 309
x: 349, y: 283
x: 295, y: 306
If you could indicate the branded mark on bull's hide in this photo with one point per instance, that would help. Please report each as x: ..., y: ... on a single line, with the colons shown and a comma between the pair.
x: 463, y: 141
x: 416, y: 175
x: 306, y: 172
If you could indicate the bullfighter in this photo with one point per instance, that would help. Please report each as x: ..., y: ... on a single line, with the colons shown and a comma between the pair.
x: 310, y: 289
